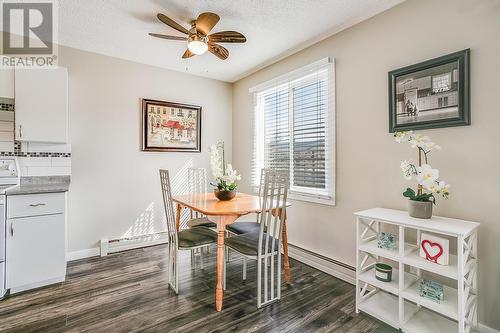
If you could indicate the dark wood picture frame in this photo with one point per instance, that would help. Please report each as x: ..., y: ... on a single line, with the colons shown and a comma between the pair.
x: 163, y: 105
x: 462, y: 59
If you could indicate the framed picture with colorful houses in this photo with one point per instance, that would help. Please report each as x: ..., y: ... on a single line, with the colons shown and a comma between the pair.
x: 168, y: 126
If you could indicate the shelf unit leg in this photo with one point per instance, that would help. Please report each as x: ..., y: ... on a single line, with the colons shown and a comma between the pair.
x: 461, y: 300
x: 401, y: 277
x: 357, y: 263
x: 474, y: 282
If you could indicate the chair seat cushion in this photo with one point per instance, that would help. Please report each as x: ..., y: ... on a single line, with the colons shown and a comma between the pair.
x: 241, y: 228
x: 198, y: 236
x: 201, y: 222
x: 248, y: 244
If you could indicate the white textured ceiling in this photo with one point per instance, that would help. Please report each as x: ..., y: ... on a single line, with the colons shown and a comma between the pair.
x: 274, y: 29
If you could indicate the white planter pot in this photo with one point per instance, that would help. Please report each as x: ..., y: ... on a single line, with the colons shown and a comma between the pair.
x: 420, y: 209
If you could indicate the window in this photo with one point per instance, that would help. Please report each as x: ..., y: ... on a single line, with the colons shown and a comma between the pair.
x: 294, y: 130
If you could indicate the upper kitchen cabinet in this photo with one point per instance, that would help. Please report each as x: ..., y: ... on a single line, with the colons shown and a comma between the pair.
x: 7, y: 83
x: 41, y: 105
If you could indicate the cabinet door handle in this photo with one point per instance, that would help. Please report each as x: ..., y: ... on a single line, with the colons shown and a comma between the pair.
x: 12, y: 229
x: 20, y: 131
x: 36, y: 205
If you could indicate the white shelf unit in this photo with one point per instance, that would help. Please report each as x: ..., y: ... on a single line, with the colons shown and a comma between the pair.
x: 398, y: 302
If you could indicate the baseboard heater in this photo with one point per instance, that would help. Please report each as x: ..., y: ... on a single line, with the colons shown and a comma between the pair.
x: 328, y: 265
x: 129, y: 243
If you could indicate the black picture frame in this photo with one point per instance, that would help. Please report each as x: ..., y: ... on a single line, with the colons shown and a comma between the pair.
x: 459, y: 91
x: 192, y: 133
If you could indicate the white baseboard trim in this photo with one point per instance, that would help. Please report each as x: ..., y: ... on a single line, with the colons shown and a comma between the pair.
x: 81, y: 254
x: 485, y: 329
x: 324, y: 264
x: 37, y: 285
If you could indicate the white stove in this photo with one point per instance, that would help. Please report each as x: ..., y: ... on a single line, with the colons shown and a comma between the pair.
x: 9, y: 177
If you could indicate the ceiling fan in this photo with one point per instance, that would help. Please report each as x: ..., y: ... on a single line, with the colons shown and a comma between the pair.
x: 198, y: 37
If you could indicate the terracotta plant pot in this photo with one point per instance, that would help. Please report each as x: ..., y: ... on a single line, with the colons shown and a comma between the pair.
x: 224, y: 195
x: 420, y: 209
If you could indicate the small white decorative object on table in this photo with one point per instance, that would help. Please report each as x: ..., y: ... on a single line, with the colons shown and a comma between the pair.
x: 398, y: 303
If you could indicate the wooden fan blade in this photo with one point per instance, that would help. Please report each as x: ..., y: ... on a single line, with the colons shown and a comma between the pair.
x: 227, y: 37
x: 205, y: 22
x: 187, y: 54
x: 168, y: 36
x: 220, y: 51
x: 171, y: 23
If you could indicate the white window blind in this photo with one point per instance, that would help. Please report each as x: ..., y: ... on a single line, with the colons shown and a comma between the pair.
x: 294, y: 130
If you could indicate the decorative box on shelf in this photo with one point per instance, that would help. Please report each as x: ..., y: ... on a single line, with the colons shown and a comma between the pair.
x: 409, y: 302
x: 431, y: 290
x: 387, y: 241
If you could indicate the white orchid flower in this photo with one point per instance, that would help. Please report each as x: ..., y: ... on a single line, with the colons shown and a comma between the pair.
x: 403, y: 136
x: 408, y: 169
x: 215, y: 162
x: 231, y: 175
x: 427, y: 176
x: 420, y: 141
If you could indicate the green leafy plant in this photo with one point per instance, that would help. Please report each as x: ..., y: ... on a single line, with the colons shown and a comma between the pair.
x: 426, y: 197
x: 222, y: 185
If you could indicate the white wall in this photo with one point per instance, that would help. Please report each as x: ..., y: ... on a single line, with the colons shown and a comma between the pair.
x: 115, y: 189
x: 368, y: 173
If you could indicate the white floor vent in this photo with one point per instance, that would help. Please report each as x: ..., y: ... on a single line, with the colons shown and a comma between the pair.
x: 116, y: 245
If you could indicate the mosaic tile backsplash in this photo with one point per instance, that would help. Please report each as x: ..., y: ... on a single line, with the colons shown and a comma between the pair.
x: 18, y: 152
x: 5, y: 105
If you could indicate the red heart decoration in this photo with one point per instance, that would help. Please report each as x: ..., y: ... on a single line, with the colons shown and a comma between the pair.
x: 431, y: 244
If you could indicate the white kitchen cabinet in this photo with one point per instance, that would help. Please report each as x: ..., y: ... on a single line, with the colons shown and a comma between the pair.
x: 7, y: 83
x: 35, y: 247
x: 41, y: 98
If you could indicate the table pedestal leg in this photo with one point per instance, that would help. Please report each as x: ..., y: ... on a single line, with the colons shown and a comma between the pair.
x: 286, y: 263
x: 222, y: 221
x: 178, y: 217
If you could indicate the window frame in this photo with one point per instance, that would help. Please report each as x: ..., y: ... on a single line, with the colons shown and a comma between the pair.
x: 289, y: 81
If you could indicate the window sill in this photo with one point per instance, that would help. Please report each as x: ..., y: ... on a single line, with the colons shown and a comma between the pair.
x: 306, y: 198
x: 297, y: 196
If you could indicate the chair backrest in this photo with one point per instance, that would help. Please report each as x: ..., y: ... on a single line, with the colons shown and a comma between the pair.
x: 263, y: 172
x: 169, y: 207
x: 197, y: 183
x: 274, y: 196
x: 197, y: 180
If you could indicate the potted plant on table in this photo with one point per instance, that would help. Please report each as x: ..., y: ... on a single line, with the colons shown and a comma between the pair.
x: 428, y: 184
x: 224, y: 174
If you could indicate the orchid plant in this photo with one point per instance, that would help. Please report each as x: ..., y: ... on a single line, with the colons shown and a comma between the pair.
x: 224, y: 174
x: 427, y: 178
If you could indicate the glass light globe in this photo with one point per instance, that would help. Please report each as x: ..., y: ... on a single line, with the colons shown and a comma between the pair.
x: 197, y: 47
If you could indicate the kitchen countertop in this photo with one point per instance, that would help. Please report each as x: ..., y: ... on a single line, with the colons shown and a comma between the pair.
x: 45, y: 184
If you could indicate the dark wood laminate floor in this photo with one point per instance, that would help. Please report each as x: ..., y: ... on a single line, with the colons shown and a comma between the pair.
x: 127, y: 292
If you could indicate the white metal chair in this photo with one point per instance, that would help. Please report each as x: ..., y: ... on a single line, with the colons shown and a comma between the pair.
x: 244, y: 227
x: 188, y: 239
x: 265, y: 245
x: 197, y: 183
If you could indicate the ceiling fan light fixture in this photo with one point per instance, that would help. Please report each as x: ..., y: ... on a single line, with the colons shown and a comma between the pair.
x: 197, y: 45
